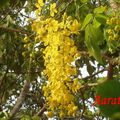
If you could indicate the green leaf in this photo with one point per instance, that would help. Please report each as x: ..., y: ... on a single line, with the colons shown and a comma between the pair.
x: 2, y: 114
x: 93, y: 38
x: 116, y: 116
x: 9, y: 19
x: 25, y: 117
x: 118, y: 1
x: 109, y: 89
x: 90, y: 68
x: 87, y: 20
x: 71, y: 9
x: 3, y: 3
x: 96, y: 24
x: 84, y: 1
x: 101, y: 80
x: 36, y: 118
x: 101, y: 18
x: 97, y: 35
x: 100, y: 9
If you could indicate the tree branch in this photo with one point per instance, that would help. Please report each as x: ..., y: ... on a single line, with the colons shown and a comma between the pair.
x: 110, y: 71
x: 42, y: 110
x: 94, y: 74
x: 89, y: 85
x: 14, y: 30
x: 20, y: 100
x: 99, y: 3
x: 83, y: 100
x: 84, y: 53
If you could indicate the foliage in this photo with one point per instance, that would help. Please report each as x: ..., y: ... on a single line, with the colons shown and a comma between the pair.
x: 49, y: 43
x: 105, y: 91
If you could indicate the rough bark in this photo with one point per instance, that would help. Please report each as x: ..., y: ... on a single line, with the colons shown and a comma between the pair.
x: 20, y: 100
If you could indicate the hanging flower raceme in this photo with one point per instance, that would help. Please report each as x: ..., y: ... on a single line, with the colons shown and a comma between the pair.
x: 59, y: 54
x: 113, y: 33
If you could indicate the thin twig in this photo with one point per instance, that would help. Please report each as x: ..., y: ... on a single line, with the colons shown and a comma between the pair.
x: 42, y: 110
x: 83, y: 100
x: 88, y: 77
x: 89, y: 85
x: 14, y: 30
x: 62, y: 11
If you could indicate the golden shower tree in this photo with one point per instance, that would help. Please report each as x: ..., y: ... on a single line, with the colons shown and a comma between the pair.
x: 58, y: 57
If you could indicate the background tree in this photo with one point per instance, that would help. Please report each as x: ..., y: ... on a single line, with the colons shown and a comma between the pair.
x: 91, y: 40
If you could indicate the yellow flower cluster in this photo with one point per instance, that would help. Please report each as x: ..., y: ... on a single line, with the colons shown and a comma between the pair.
x: 53, y: 9
x: 113, y: 33
x: 39, y: 6
x: 59, y: 54
x: 114, y: 28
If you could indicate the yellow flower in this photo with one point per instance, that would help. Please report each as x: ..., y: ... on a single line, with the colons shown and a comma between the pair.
x: 40, y: 2
x: 39, y: 7
x: 53, y: 9
x: 75, y: 108
x: 41, y: 32
x: 66, y: 32
x: 26, y: 39
x: 49, y: 114
x: 75, y: 27
x: 62, y: 114
x: 53, y: 25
